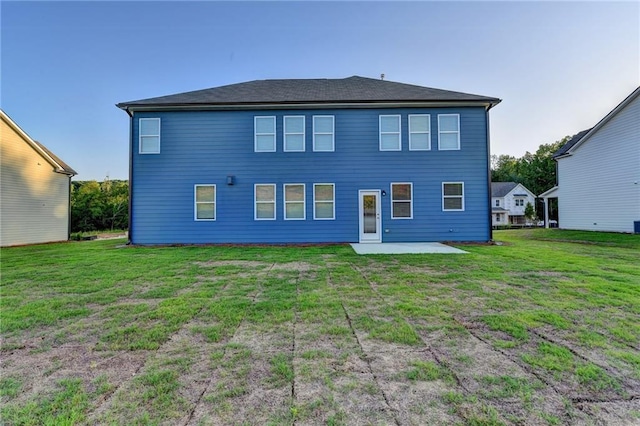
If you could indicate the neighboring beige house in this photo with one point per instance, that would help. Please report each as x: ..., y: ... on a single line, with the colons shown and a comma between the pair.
x: 598, y: 184
x: 34, y: 189
x: 508, y: 201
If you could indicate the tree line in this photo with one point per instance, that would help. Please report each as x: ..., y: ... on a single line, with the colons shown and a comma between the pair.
x: 99, y: 206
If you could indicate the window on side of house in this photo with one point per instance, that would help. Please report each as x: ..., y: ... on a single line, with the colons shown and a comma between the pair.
x: 294, y: 205
x: 498, y: 217
x: 390, y: 135
x: 419, y: 132
x: 323, y: 133
x: 204, y: 202
x: 264, y: 134
x: 401, y: 201
x: 497, y: 203
x: 149, y: 131
x: 265, y: 202
x: 448, y: 132
x: 324, y: 201
x: 294, y: 133
x: 452, y: 196
x: 519, y: 202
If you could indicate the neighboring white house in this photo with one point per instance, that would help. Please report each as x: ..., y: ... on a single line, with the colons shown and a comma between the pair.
x: 599, y: 173
x: 34, y: 189
x: 508, y: 201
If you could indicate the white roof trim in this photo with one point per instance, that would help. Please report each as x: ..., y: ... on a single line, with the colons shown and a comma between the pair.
x: 604, y: 121
x: 58, y: 168
x: 549, y: 192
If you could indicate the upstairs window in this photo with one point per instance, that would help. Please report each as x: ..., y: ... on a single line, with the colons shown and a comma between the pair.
x: 149, y: 136
x: 401, y: 201
x: 294, y: 133
x: 390, y: 133
x: 324, y: 201
x: 265, y: 202
x: 264, y: 134
x: 452, y: 196
x: 497, y: 203
x: 323, y: 133
x: 448, y: 132
x: 419, y: 132
x: 205, y: 202
x: 519, y: 202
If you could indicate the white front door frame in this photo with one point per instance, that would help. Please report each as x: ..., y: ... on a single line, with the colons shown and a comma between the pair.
x: 370, y: 219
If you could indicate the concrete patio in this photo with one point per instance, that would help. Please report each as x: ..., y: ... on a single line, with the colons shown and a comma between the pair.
x: 405, y: 248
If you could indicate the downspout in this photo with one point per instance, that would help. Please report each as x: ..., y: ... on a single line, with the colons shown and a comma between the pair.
x: 130, y: 207
x: 489, y: 175
x: 69, y: 215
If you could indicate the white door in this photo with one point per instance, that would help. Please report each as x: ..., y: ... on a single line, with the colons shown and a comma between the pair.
x: 370, y: 222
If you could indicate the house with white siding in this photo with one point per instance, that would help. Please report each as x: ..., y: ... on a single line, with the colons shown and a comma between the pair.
x: 508, y: 202
x: 598, y: 187
x: 34, y: 189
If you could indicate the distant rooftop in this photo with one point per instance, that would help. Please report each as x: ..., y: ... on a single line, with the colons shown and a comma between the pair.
x: 500, y: 189
x: 570, y: 143
x: 355, y: 89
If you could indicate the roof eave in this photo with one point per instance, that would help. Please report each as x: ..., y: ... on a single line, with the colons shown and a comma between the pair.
x: 601, y: 123
x: 487, y: 104
x: 57, y: 167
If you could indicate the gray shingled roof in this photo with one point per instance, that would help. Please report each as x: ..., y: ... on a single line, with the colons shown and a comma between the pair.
x: 65, y: 167
x: 570, y: 143
x: 300, y: 91
x: 500, y: 189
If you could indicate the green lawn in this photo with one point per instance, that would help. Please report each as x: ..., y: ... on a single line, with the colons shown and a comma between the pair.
x: 540, y: 329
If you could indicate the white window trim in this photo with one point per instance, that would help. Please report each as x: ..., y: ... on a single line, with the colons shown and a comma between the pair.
x: 453, y: 196
x: 140, y: 135
x: 256, y: 134
x: 256, y: 202
x: 428, y: 132
x: 399, y: 132
x: 333, y: 133
x: 285, y: 134
x: 457, y: 132
x: 333, y: 201
x: 304, y: 201
x: 402, y: 201
x: 196, y: 202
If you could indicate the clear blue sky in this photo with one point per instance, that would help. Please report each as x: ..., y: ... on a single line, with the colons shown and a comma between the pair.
x: 558, y: 66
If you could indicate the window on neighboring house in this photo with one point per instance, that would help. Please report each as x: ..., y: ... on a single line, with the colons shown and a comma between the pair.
x: 401, y: 201
x: 294, y: 133
x: 497, y: 203
x: 324, y: 201
x: 205, y: 202
x: 519, y: 202
x: 264, y: 134
x: 294, y: 206
x: 265, y: 197
x: 390, y: 133
x: 452, y: 196
x: 498, y: 217
x: 323, y: 133
x: 448, y: 132
x: 149, y: 136
x: 419, y: 132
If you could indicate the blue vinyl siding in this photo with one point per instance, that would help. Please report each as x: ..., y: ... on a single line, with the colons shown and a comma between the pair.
x: 207, y: 146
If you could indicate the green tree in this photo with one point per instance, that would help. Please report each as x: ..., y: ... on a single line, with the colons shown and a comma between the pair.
x: 97, y: 206
x: 530, y: 213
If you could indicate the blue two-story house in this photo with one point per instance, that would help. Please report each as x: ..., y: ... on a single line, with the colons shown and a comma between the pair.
x: 310, y: 161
